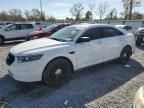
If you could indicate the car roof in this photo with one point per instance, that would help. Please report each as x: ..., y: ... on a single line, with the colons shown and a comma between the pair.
x: 91, y: 25
x: 23, y: 23
x: 120, y: 25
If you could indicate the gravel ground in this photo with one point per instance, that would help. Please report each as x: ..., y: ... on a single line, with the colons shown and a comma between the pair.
x: 108, y: 85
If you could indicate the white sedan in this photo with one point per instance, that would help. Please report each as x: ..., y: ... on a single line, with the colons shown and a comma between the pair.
x: 127, y: 28
x: 53, y: 60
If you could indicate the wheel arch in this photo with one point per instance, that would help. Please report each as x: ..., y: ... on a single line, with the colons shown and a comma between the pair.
x: 129, y: 46
x: 60, y: 57
x: 2, y: 36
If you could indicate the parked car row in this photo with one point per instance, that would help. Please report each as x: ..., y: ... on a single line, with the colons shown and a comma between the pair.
x: 27, y: 31
x: 16, y: 31
x: 127, y: 28
x: 140, y: 36
x: 45, y: 32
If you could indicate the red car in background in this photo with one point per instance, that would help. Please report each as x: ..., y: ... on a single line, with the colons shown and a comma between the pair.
x: 45, y: 32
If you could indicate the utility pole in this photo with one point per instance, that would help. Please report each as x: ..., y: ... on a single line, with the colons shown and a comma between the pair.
x: 131, y: 8
x: 41, y: 10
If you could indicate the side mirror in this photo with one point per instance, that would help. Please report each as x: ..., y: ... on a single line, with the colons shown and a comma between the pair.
x: 84, y: 39
x: 7, y: 29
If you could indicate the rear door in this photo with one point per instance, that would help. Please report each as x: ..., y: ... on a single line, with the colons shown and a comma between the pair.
x: 26, y: 29
x: 113, y: 41
x: 12, y: 31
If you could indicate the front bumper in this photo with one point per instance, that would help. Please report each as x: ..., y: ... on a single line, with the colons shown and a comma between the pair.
x: 140, y: 36
x: 27, y: 72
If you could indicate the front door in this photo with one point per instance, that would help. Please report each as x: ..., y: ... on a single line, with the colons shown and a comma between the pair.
x: 89, y: 53
x: 11, y: 32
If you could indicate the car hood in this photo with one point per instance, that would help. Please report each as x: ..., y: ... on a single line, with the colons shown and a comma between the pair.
x: 36, y: 44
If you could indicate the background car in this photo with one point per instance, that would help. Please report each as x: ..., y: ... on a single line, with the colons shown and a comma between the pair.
x: 16, y: 31
x: 139, y: 36
x: 127, y: 28
x: 139, y: 98
x: 47, y: 31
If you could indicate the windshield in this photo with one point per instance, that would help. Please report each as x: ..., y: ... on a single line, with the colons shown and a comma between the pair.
x: 49, y: 28
x: 67, y: 34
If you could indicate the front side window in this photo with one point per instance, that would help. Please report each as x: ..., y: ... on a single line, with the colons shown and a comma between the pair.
x: 93, y: 33
x: 49, y: 28
x: 11, y: 28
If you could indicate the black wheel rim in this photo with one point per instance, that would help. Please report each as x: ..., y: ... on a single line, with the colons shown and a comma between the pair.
x: 58, y: 74
x: 125, y: 56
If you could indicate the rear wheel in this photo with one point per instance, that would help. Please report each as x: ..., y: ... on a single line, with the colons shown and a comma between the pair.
x: 125, y: 55
x: 57, y: 72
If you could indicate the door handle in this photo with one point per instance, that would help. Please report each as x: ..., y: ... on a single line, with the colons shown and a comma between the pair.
x: 99, y: 43
x: 121, y: 39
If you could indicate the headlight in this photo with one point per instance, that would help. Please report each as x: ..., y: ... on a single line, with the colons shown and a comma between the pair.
x: 28, y: 58
x: 35, y: 37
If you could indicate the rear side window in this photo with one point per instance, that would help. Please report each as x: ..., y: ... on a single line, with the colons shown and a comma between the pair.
x: 93, y: 33
x: 109, y: 32
x: 26, y: 26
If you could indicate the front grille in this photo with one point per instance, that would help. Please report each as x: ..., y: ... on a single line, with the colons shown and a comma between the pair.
x: 142, y: 31
x: 10, y: 59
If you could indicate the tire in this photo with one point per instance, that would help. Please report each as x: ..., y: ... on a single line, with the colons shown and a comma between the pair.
x: 138, y: 42
x: 1, y: 40
x: 125, y: 55
x: 57, y: 72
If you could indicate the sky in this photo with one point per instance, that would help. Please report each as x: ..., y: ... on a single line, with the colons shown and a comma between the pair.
x: 59, y: 8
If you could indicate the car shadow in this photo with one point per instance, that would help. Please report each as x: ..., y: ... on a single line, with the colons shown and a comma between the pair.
x: 11, y: 43
x: 88, y: 84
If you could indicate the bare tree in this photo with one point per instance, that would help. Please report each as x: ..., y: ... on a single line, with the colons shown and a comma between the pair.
x: 4, y: 16
x: 91, y: 9
x: 129, y: 5
x: 102, y: 9
x: 77, y: 11
x: 27, y: 14
x: 112, y: 15
x: 16, y: 14
x: 137, y: 16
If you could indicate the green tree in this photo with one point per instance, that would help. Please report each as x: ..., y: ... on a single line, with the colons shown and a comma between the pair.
x: 88, y: 16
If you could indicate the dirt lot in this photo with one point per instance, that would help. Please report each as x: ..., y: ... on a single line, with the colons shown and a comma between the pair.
x: 108, y: 85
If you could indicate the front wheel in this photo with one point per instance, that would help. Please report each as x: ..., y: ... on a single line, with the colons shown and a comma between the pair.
x: 125, y: 55
x: 57, y: 72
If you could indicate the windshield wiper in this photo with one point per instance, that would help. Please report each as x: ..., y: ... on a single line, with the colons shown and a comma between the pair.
x: 57, y: 39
